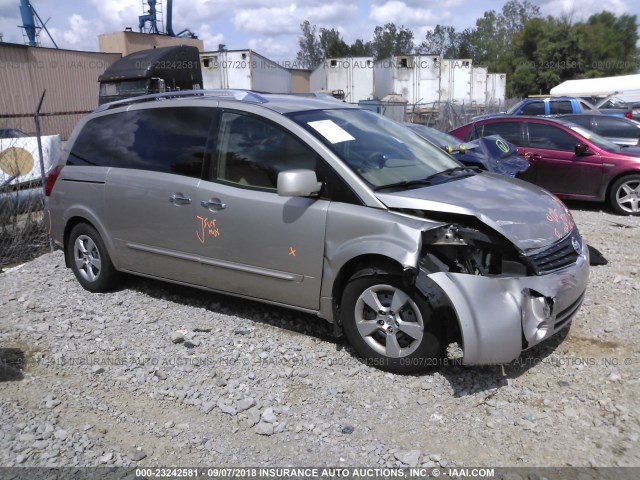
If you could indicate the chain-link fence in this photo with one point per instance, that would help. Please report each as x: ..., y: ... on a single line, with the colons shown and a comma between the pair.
x: 23, y: 229
x: 446, y: 116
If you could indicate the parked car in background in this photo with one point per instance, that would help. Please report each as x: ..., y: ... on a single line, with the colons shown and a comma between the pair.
x: 614, y: 105
x: 493, y: 154
x: 568, y: 160
x: 621, y: 131
x: 322, y: 207
x: 546, y: 106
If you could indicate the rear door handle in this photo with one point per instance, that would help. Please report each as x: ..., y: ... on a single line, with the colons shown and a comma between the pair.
x: 214, y: 204
x: 533, y: 156
x: 179, y: 199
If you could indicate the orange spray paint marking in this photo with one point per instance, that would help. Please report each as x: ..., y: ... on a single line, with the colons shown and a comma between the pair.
x: 292, y: 252
x: 207, y: 227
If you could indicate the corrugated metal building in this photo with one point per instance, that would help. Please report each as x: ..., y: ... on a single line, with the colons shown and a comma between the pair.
x: 69, y: 77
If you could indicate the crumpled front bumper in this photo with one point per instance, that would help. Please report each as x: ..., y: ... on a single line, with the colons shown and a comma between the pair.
x: 501, y: 316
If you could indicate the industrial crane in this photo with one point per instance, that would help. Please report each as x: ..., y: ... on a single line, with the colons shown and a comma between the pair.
x: 152, y: 18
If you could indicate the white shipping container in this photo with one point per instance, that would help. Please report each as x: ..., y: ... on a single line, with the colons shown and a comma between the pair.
x: 245, y: 70
x: 479, y: 85
x: 354, y: 76
x: 424, y: 79
x: 455, y: 81
x: 496, y: 88
x: 415, y: 77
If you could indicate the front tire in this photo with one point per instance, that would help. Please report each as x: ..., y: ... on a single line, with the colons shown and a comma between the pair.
x: 390, y: 325
x: 624, y: 196
x: 90, y: 260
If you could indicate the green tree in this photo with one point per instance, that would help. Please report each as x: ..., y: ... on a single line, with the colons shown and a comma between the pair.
x: 360, y: 48
x: 391, y: 40
x: 310, y: 53
x: 332, y: 44
x: 442, y: 40
x: 495, y: 32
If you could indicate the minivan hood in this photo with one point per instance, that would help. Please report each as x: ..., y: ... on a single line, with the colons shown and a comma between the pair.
x: 527, y: 215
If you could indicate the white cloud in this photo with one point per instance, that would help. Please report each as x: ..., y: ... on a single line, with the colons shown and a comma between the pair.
x: 287, y: 19
x: 211, y: 40
x: 581, y: 10
x: 267, y: 21
x: 401, y: 14
x: 272, y: 49
x: 332, y: 13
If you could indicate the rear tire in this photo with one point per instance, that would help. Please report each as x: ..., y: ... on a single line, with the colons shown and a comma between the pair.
x: 390, y: 325
x: 90, y: 260
x: 624, y: 196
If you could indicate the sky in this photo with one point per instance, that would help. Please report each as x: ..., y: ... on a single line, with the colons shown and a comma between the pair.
x: 272, y: 27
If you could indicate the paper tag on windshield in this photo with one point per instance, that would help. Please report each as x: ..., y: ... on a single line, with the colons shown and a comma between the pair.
x: 331, y: 131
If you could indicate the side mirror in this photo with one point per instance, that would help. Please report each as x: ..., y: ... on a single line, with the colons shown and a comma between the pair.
x: 581, y: 149
x: 298, y: 183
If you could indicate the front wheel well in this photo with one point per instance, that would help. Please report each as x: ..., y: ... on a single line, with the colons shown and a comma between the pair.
x: 375, y: 263
x: 616, y: 178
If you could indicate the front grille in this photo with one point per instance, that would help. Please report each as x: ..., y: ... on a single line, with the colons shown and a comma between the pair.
x: 559, y: 255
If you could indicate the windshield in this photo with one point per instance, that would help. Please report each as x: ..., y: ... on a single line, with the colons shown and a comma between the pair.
x: 379, y: 150
x: 441, y: 139
x: 595, y: 138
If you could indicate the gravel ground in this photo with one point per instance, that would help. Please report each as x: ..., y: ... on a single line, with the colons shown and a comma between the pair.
x: 158, y: 375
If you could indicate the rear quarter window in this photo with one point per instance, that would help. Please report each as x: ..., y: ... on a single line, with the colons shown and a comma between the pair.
x: 168, y: 140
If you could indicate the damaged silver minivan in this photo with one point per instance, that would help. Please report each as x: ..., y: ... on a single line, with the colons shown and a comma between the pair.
x: 321, y: 207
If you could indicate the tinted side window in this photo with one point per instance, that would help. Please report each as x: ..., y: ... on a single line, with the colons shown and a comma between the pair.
x: 616, y: 127
x: 562, y: 106
x: 252, y: 151
x: 533, y: 108
x: 550, y: 137
x: 510, y: 131
x: 169, y: 140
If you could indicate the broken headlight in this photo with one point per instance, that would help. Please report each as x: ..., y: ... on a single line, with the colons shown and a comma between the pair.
x: 459, y: 249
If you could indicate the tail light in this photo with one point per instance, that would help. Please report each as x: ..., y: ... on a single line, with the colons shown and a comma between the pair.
x: 628, y: 115
x: 51, y: 179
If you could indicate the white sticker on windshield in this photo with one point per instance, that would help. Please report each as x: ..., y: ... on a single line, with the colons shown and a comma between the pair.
x: 331, y: 131
x: 581, y: 132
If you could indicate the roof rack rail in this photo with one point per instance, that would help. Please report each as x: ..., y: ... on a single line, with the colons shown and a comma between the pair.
x: 240, y: 95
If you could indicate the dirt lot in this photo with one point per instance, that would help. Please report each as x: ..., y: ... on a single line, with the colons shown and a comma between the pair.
x: 105, y: 384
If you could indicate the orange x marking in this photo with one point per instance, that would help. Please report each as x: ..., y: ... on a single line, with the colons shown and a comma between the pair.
x: 292, y: 252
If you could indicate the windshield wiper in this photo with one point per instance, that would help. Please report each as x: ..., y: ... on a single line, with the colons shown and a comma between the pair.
x: 449, y: 173
x: 404, y: 184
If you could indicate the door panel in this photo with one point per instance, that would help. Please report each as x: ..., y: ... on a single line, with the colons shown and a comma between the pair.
x: 150, y: 220
x: 556, y: 167
x: 157, y: 158
x: 252, y: 241
x: 260, y: 244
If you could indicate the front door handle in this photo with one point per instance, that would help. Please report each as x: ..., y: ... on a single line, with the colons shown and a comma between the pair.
x: 214, y: 204
x: 533, y: 156
x: 179, y: 199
